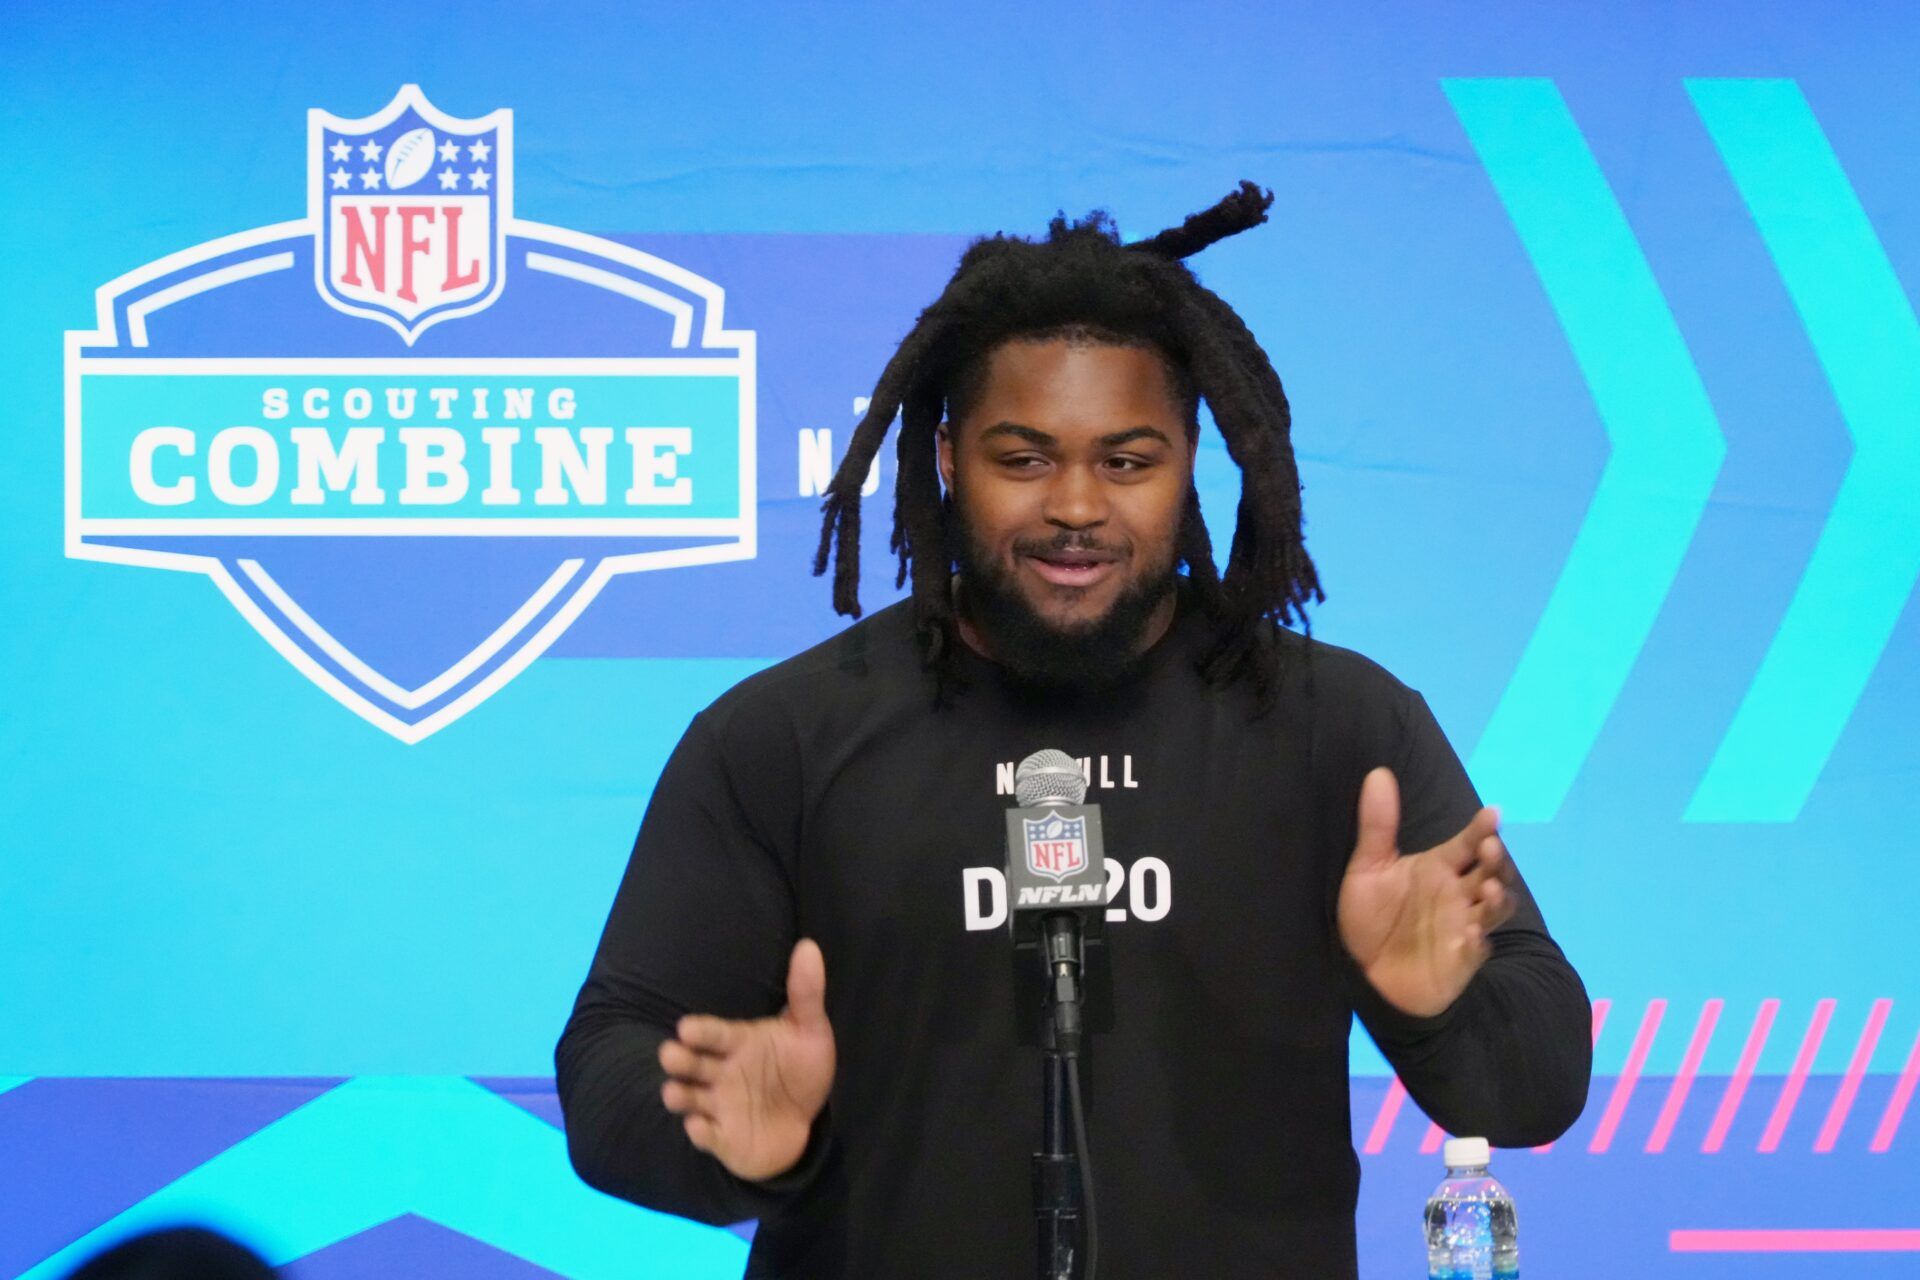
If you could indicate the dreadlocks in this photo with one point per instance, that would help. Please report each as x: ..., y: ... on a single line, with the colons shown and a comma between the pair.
x: 1081, y: 282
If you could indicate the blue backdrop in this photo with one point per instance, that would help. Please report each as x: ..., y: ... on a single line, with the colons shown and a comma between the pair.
x: 364, y: 564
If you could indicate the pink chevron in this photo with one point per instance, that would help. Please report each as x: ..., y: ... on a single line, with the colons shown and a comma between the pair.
x: 1678, y: 1092
x: 1856, y: 1068
x: 1683, y: 1083
x: 1897, y: 1104
x: 1624, y: 1084
x: 1601, y: 1008
x: 1742, y: 1073
x: 1384, y: 1118
x: 1797, y: 1077
x: 1803, y: 1240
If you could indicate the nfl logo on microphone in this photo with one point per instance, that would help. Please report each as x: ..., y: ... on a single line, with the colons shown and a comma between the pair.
x: 1056, y: 846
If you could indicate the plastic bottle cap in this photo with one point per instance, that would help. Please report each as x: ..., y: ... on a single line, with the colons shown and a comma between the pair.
x: 1461, y: 1153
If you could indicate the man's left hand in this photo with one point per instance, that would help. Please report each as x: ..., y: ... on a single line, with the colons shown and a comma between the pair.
x: 1417, y: 925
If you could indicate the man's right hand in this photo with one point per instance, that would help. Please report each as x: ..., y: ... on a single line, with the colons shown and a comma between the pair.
x: 749, y: 1091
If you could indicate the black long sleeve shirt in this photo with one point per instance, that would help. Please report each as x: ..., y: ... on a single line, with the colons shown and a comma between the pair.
x: 826, y: 797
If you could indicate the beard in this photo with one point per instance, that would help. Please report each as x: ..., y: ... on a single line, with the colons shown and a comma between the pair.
x: 1083, y: 657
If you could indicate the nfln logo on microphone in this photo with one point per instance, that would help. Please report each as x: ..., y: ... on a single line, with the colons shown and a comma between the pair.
x: 410, y: 436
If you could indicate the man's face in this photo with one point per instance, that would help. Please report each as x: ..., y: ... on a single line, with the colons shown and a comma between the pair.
x: 1069, y: 475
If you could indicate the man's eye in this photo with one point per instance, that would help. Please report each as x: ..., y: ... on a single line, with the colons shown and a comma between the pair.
x: 1124, y: 463
x: 1023, y: 461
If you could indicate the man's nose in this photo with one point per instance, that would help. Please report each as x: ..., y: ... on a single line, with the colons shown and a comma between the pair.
x: 1076, y: 499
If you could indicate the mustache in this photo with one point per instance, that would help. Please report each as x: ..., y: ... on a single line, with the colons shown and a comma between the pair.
x: 1065, y: 543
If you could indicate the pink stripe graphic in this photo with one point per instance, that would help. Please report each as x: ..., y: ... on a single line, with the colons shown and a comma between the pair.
x: 1836, y: 1240
x: 1797, y: 1078
x: 1737, y: 1087
x: 1383, y: 1119
x: 1623, y: 1086
x: 1431, y: 1143
x: 1856, y: 1068
x: 1600, y: 1008
x: 1683, y: 1083
x: 1897, y: 1104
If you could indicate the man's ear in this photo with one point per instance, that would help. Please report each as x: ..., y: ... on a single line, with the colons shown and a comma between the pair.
x: 943, y: 450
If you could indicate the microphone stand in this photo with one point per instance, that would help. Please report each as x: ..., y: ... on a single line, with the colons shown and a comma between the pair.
x: 1065, y: 1208
x: 1058, y: 1193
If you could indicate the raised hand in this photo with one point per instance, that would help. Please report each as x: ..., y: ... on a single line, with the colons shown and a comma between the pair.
x: 1417, y: 925
x: 748, y: 1091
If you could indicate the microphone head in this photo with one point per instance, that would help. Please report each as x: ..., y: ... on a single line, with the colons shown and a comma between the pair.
x: 1049, y: 777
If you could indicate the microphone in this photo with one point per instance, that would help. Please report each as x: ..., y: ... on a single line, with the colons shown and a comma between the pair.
x: 1056, y: 902
x: 1049, y: 777
x: 1056, y: 879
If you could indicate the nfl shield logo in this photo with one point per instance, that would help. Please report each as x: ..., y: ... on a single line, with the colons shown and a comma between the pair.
x: 1056, y: 846
x: 410, y: 208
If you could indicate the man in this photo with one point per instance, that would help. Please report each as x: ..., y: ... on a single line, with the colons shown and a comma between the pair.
x: 1292, y: 839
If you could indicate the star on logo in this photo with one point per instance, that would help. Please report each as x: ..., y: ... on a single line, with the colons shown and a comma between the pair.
x: 450, y: 151
x: 449, y: 180
x: 340, y: 150
x: 370, y: 150
x: 341, y: 179
x: 479, y: 151
x: 479, y: 179
x: 370, y: 179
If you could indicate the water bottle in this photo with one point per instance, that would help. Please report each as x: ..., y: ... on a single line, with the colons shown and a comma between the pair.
x: 1472, y: 1233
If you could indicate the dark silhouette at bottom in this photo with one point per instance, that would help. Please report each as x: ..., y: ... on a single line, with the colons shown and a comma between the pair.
x: 176, y: 1253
